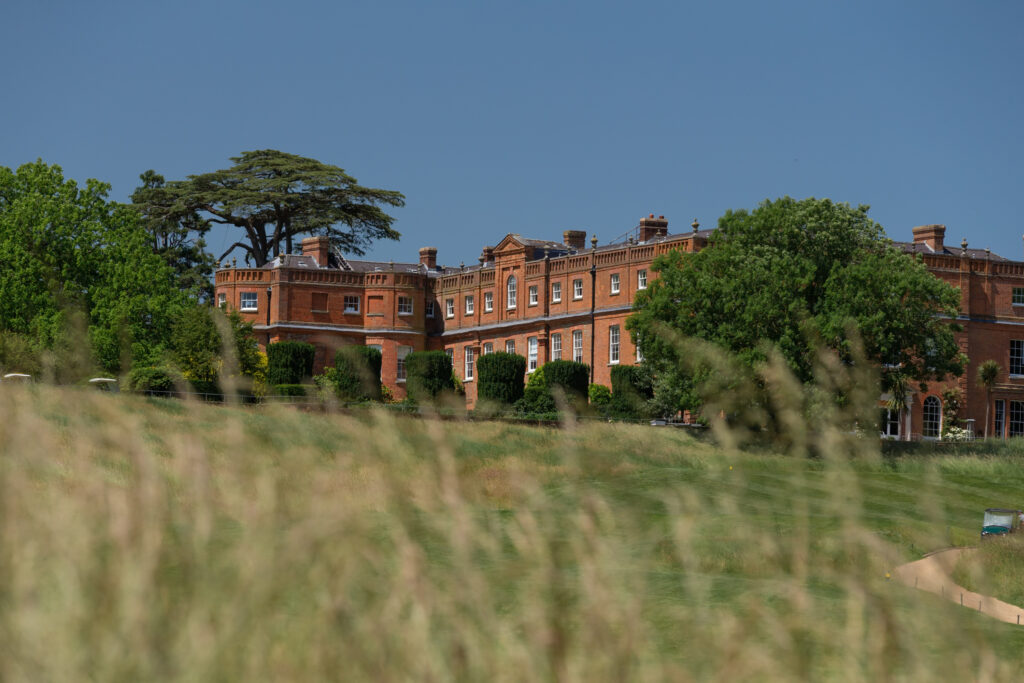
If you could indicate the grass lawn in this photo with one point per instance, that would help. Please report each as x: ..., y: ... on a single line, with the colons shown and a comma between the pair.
x: 160, y: 540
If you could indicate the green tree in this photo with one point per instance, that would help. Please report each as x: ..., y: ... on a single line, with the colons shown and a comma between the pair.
x: 988, y: 375
x: 272, y: 197
x: 796, y: 276
x: 176, y: 234
x: 74, y: 265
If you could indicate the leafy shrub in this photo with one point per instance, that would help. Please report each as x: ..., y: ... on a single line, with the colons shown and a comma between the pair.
x: 500, y: 377
x: 289, y: 362
x: 357, y: 373
x: 571, y: 377
x: 599, y: 395
x: 208, y: 390
x: 427, y: 374
x: 537, y: 403
x: 153, y: 380
x: 632, y: 391
x: 290, y: 390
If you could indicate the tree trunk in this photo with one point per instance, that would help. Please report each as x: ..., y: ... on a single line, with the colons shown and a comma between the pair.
x: 988, y: 405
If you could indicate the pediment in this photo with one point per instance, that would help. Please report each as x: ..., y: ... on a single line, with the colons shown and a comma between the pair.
x: 509, y: 243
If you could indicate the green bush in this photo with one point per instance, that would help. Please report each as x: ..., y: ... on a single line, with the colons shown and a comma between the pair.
x: 599, y: 395
x: 207, y: 390
x: 290, y: 390
x: 153, y: 380
x: 571, y: 377
x: 357, y: 373
x: 632, y: 391
x: 537, y: 403
x: 500, y: 377
x: 289, y: 362
x: 427, y: 374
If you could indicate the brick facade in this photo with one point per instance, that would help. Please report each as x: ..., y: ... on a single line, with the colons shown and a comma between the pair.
x: 565, y: 288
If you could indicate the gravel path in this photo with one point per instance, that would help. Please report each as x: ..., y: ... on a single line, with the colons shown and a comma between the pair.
x: 934, y: 573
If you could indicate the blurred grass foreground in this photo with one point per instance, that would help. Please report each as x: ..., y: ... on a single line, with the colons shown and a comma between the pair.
x: 147, y: 539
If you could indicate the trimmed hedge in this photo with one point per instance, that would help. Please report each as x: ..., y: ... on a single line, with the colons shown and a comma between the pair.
x: 153, y: 380
x: 357, y: 371
x: 572, y: 377
x: 599, y: 394
x: 290, y: 390
x: 500, y: 377
x: 427, y: 374
x: 289, y: 362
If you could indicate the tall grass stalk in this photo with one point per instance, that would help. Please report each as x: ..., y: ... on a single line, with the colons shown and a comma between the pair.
x: 147, y: 539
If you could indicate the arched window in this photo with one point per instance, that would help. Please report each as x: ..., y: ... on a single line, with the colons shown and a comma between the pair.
x: 510, y: 296
x: 932, y: 417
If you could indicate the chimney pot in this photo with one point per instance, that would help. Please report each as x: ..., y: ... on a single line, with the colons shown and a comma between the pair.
x: 575, y: 239
x: 930, y: 235
x: 317, y: 247
x: 428, y: 257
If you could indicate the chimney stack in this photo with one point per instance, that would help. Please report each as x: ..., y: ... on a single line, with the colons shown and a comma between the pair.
x: 428, y: 257
x: 651, y: 227
x: 487, y: 255
x: 930, y: 235
x: 575, y: 239
x: 317, y: 247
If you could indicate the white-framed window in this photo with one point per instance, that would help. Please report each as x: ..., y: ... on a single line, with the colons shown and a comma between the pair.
x: 402, y: 352
x: 577, y: 345
x: 556, y: 292
x: 249, y: 301
x: 222, y: 300
x: 1018, y: 296
x: 531, y: 354
x: 351, y: 303
x: 449, y: 308
x: 451, y: 356
x: 488, y: 302
x: 1017, y: 357
x: 404, y: 305
x: 1016, y: 418
x: 641, y: 279
x: 381, y: 350
x: 469, y: 362
x: 510, y: 346
x: 577, y: 289
x: 613, y: 344
x: 510, y: 292
x: 615, y: 283
x: 639, y: 353
x: 890, y: 424
x: 469, y: 304
x: 428, y: 308
x: 1000, y: 419
x: 488, y: 348
x: 533, y: 295
x: 556, y: 346
x: 932, y: 418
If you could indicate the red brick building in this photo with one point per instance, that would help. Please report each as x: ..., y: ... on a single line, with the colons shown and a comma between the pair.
x: 549, y: 300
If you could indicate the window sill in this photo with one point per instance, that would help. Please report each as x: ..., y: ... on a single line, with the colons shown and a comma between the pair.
x: 1016, y: 376
x: 533, y: 305
x: 613, y: 362
x: 468, y: 379
x: 347, y: 312
x: 248, y: 310
x: 399, y: 381
x: 405, y: 315
x: 556, y: 301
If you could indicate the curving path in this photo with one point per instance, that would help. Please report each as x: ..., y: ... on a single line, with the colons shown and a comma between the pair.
x: 934, y: 573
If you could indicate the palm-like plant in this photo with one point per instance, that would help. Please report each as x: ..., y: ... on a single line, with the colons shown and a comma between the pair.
x: 988, y: 373
x: 899, y: 388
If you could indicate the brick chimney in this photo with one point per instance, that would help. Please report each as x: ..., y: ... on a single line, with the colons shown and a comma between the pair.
x: 487, y: 255
x: 930, y: 235
x: 651, y: 227
x: 318, y: 248
x: 428, y: 257
x: 575, y: 239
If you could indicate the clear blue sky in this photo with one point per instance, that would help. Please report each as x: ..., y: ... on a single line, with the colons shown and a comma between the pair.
x: 536, y: 117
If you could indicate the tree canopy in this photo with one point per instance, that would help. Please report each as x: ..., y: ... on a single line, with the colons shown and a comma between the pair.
x: 73, y: 263
x: 178, y: 237
x: 796, y: 276
x: 271, y: 197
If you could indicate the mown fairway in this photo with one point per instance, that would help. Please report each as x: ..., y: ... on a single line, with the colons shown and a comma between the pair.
x: 162, y: 540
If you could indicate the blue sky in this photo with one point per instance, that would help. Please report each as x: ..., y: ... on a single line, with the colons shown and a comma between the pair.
x: 537, y: 117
